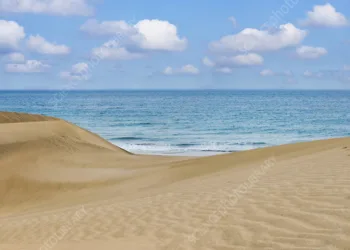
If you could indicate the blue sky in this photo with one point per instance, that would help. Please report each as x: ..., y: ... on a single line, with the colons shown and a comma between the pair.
x: 105, y: 44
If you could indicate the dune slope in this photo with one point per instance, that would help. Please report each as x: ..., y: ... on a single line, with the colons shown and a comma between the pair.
x: 62, y: 187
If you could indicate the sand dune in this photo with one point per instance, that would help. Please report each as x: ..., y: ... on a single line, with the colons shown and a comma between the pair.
x: 62, y: 187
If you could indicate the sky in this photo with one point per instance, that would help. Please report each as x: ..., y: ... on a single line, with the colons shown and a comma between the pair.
x: 157, y: 44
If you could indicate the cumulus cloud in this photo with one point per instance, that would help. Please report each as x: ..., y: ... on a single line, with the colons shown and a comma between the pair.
x: 78, y: 72
x: 54, y: 7
x: 145, y: 35
x: 30, y: 66
x: 11, y: 33
x: 185, y: 70
x: 226, y: 64
x: 15, y: 57
x: 107, y: 28
x: 40, y: 45
x: 308, y: 52
x: 249, y: 39
x: 112, y: 50
x: 325, y: 16
x: 159, y: 35
x: 250, y: 59
x: 207, y: 62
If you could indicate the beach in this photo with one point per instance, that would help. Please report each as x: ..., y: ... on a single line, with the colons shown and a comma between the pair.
x: 63, y: 187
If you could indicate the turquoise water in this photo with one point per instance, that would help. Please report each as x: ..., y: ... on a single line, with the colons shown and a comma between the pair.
x: 194, y: 122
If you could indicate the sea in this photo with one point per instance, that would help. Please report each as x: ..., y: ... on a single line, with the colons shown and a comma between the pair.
x: 194, y: 122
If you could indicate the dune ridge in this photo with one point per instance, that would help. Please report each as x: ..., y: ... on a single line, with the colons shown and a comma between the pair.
x: 51, y: 171
x: 14, y: 117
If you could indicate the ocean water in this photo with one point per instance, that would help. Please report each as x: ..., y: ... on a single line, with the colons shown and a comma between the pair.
x: 194, y: 122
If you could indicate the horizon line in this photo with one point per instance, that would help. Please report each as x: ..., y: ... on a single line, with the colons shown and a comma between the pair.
x: 89, y: 90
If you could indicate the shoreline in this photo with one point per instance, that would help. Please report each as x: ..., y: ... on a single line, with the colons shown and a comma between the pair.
x: 206, y: 153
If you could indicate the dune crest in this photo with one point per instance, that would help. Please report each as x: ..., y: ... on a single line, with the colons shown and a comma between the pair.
x: 63, y: 187
x: 13, y: 117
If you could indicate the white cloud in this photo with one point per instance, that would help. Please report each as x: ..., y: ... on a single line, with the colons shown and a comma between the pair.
x: 310, y: 74
x: 225, y: 64
x: 224, y: 70
x: 189, y: 69
x: 267, y: 72
x: 15, y: 57
x: 325, y: 16
x: 55, y: 7
x: 111, y: 50
x: 107, y: 28
x: 233, y: 21
x: 260, y: 40
x: 287, y: 73
x: 185, y: 70
x: 40, y: 45
x: 346, y: 67
x: 145, y: 35
x: 159, y: 35
x: 250, y: 59
x: 30, y: 66
x: 168, y: 71
x: 341, y: 75
x: 207, y: 62
x: 79, y: 72
x: 10, y: 34
x: 308, y: 52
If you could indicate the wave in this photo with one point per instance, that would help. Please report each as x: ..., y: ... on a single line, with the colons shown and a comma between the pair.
x: 251, y: 143
x: 144, y: 123
x: 189, y: 148
x: 185, y: 144
x: 221, y: 151
x: 127, y: 138
x: 133, y: 124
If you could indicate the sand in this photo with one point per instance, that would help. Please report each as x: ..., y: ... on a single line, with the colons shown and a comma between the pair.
x: 62, y: 187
